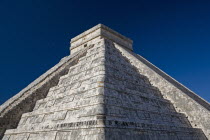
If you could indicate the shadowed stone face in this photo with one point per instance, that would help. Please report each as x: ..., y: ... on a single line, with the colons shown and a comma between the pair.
x: 109, y: 94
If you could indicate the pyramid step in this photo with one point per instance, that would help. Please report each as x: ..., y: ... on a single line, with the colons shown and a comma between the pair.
x: 72, y: 95
x: 68, y: 106
x: 111, y: 134
x: 130, y: 80
x: 113, y: 126
x: 136, y: 97
x: 112, y: 110
x: 82, y: 75
x: 82, y: 66
x: 148, y: 134
x: 74, y: 100
x: 83, y: 62
x: 79, y: 77
x: 79, y: 86
x: 78, y: 104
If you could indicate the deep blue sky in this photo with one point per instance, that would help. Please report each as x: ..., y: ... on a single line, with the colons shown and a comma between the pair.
x: 172, y: 34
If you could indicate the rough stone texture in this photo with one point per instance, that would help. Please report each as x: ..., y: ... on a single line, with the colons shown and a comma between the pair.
x: 110, y: 94
x: 196, y: 109
x: 24, y: 101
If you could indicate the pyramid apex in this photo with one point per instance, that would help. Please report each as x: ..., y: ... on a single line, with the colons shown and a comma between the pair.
x: 99, y: 31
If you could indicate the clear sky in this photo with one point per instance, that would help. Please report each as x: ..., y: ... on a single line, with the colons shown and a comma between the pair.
x: 172, y: 34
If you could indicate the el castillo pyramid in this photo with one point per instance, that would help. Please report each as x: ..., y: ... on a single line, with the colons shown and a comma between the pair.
x: 104, y: 91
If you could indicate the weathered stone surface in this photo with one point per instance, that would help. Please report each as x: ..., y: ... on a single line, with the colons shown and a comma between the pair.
x: 24, y: 101
x: 110, y: 94
x: 196, y: 109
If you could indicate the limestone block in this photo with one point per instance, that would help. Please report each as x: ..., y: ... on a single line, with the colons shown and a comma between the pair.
x: 19, y: 137
x: 43, y: 136
x: 59, y: 115
x: 6, y: 137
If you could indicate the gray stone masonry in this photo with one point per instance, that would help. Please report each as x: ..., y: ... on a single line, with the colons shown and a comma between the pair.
x: 24, y: 101
x: 104, y: 91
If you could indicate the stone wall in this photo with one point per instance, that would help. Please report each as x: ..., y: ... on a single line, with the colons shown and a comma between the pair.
x: 12, y: 110
x: 185, y: 101
x: 74, y: 103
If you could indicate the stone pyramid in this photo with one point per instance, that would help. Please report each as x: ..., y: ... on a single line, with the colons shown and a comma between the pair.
x: 104, y: 91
